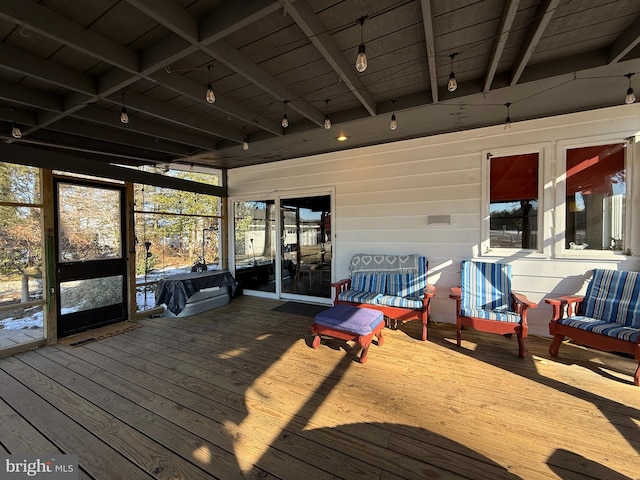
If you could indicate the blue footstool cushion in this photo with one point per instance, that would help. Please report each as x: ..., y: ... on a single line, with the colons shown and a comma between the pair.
x: 347, y: 318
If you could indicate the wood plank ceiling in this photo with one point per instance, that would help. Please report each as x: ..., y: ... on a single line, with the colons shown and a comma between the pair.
x: 67, y: 68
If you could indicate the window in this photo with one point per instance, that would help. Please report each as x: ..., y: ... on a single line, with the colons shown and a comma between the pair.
x: 513, y: 201
x: 21, y: 255
x: 595, y: 198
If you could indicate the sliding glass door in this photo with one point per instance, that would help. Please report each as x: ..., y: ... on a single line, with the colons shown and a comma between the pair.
x: 282, y: 247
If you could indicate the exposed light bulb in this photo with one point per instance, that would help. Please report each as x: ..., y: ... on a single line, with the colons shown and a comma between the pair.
x: 393, y: 124
x: 630, y: 98
x: 210, y: 96
x: 452, y: 85
x: 285, y: 121
x: 245, y: 145
x: 15, y: 131
x: 507, y: 121
x: 361, y: 59
x: 327, y: 122
x: 124, y: 116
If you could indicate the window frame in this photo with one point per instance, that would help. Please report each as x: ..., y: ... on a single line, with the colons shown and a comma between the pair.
x: 542, y: 249
x: 560, y: 219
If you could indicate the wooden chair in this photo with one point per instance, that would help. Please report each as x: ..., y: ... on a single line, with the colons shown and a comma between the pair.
x: 485, y: 302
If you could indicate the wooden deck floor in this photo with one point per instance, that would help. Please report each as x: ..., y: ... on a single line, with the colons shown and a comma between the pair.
x: 238, y: 392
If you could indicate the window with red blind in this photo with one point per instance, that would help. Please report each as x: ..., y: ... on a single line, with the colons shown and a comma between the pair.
x: 513, y: 197
x: 595, y: 197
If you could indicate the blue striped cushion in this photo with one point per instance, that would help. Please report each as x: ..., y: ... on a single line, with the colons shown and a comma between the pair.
x: 610, y: 329
x: 614, y: 296
x: 501, y: 316
x: 414, y: 303
x: 358, y: 296
x: 369, y: 282
x: 408, y: 284
x: 485, y: 286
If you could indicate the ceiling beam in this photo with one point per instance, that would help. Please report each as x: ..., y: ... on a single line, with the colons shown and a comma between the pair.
x: 184, y: 86
x: 33, y: 66
x: 427, y: 20
x: 144, y: 127
x: 506, y: 22
x: 24, y: 155
x: 543, y: 16
x: 166, y: 13
x: 317, y: 34
x: 626, y: 42
x: 39, y: 18
x: 29, y: 97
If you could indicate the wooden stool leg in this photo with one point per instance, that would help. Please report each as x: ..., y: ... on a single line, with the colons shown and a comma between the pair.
x: 316, y: 341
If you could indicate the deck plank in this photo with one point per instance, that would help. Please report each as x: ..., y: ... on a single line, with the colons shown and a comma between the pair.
x: 238, y: 392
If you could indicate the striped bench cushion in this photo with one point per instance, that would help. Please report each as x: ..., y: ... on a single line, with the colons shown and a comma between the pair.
x: 613, y: 296
x: 610, y: 329
x: 358, y: 296
x: 414, y: 303
x: 501, y: 316
x: 408, y: 284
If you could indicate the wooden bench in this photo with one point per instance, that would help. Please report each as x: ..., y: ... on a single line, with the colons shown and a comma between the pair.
x: 395, y: 285
x: 606, y: 318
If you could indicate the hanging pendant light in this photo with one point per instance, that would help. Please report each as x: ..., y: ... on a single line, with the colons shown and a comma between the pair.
x: 452, y: 85
x: 124, y: 116
x: 327, y: 120
x: 15, y: 131
x: 630, y: 98
x: 393, y: 124
x: 285, y: 120
x: 361, y: 59
x: 507, y: 121
x: 210, y: 96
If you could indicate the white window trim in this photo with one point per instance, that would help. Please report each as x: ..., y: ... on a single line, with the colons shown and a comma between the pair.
x: 559, y: 250
x: 543, y: 249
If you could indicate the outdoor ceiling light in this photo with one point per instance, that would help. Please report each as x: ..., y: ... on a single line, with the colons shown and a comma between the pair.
x: 630, y: 98
x: 210, y: 96
x: 124, y: 116
x: 507, y: 121
x: 285, y: 120
x: 452, y: 85
x: 361, y: 59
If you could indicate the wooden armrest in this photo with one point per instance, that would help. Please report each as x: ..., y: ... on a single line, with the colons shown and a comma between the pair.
x: 523, y: 300
x: 571, y: 301
x: 344, y: 281
x: 456, y: 293
x: 429, y: 291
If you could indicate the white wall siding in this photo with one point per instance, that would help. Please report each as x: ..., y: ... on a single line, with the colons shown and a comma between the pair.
x: 384, y: 195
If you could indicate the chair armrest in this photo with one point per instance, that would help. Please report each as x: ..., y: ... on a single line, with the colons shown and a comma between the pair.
x: 341, y: 286
x: 523, y: 301
x: 572, y: 302
x: 456, y: 293
x: 429, y: 291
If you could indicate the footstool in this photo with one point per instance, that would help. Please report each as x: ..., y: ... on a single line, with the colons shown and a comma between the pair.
x: 347, y: 322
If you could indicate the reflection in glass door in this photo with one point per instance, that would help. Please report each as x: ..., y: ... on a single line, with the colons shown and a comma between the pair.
x: 90, y: 262
x: 255, y: 245
x: 306, y: 246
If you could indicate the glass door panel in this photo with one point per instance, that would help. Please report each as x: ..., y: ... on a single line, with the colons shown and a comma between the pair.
x: 306, y: 246
x: 255, y: 245
x: 90, y: 265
